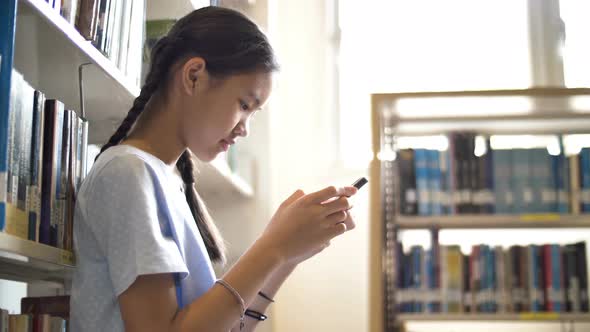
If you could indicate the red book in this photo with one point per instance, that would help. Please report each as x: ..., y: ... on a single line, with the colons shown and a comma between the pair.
x: 548, y: 280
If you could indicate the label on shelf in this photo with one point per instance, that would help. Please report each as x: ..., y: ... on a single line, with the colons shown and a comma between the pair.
x: 540, y: 217
x: 539, y: 316
x: 66, y: 257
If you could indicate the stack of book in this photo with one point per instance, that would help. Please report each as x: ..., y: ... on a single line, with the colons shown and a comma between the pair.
x: 46, y: 149
x: 534, y: 278
x: 456, y: 181
x: 115, y: 27
x: 38, y: 314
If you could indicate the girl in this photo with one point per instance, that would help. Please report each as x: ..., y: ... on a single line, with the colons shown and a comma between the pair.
x: 143, y: 240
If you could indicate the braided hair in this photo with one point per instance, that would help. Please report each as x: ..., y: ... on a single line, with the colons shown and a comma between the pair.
x: 230, y: 44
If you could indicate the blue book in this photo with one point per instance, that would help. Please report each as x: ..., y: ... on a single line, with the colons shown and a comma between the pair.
x: 521, y: 180
x: 585, y: 176
x: 430, y: 278
x: 7, y: 33
x: 502, y: 174
x: 489, y: 204
x: 535, y: 273
x: 417, y: 253
x: 422, y: 181
x: 541, y: 181
x: 434, y: 181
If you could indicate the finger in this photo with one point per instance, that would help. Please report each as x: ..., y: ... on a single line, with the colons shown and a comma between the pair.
x: 349, y: 221
x: 336, y: 217
x: 294, y: 196
x: 340, y: 204
x: 338, y: 229
x: 325, y: 194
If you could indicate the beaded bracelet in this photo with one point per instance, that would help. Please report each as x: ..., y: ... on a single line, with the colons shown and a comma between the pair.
x: 238, y: 298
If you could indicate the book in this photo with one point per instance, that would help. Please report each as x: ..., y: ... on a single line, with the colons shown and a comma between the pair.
x: 86, y: 18
x: 408, y: 196
x: 56, y: 306
x: 53, y: 112
x: 422, y: 182
x: 585, y: 179
x: 36, y: 166
x: 574, y: 167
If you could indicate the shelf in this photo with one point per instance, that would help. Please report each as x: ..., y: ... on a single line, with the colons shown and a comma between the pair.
x: 524, y: 317
x: 24, y: 260
x: 48, y: 52
x: 215, y: 179
x: 495, y: 221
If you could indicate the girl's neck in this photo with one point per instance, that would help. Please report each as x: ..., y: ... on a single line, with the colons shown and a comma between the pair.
x: 157, y: 133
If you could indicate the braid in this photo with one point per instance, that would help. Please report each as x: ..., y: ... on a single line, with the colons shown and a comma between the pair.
x: 207, y: 229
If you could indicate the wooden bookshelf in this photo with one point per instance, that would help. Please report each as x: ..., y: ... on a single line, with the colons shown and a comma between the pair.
x: 476, y: 221
x: 479, y: 317
x: 553, y: 110
x: 49, y: 51
x: 24, y: 260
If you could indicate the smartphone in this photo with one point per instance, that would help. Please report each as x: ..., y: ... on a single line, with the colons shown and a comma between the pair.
x: 360, y: 182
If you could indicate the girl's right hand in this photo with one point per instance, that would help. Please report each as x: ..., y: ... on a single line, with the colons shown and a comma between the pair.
x: 303, y: 225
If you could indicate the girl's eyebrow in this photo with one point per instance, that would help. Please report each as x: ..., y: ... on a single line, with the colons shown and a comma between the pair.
x: 256, y: 99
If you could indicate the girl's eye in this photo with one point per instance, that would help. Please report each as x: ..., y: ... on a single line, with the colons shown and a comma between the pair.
x: 244, y: 106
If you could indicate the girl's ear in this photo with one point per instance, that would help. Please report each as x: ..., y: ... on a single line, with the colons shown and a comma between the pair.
x: 192, y: 71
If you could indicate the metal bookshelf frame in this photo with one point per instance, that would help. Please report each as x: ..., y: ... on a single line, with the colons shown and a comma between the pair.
x: 386, y: 221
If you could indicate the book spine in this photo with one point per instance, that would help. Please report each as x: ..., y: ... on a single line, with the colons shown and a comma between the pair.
x: 408, y: 199
x: 557, y: 281
x: 585, y: 175
x: 467, y: 296
x: 582, y: 275
x: 434, y: 179
x: 475, y: 278
x: 51, y: 142
x: 421, y: 167
x: 573, y: 283
x: 7, y: 33
x: 25, y: 189
x: 503, y: 195
x: 547, y: 272
x: 574, y: 164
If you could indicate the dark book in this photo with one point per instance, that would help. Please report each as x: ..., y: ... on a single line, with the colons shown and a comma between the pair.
x: 70, y: 182
x: 64, y: 170
x: 407, y: 176
x: 582, y: 274
x: 467, y: 295
x: 571, y: 283
x: 53, y: 112
x: 58, y: 306
x: 474, y: 185
x: 517, y: 290
x: 36, y: 165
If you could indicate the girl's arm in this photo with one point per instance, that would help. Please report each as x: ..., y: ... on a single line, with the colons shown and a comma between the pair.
x: 270, y: 289
x: 149, y: 304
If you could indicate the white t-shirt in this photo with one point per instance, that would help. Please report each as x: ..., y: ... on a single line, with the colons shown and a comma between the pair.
x: 132, y: 219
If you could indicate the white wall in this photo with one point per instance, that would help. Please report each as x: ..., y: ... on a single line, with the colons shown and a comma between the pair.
x: 329, y: 292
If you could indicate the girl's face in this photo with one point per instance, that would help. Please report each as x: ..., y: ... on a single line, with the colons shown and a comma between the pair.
x: 219, y: 111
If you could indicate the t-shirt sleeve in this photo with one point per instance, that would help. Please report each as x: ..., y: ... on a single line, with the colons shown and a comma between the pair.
x: 129, y: 224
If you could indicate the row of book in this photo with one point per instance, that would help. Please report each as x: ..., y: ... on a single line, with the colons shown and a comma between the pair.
x: 31, y: 323
x: 46, y: 149
x: 534, y: 278
x: 456, y: 181
x: 115, y: 27
x: 38, y: 314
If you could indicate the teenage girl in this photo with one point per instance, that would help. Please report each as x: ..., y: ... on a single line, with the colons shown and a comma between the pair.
x: 143, y: 239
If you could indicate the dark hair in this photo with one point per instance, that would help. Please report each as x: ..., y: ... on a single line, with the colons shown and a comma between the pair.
x: 230, y: 44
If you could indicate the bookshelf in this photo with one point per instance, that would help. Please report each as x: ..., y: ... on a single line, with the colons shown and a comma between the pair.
x: 24, y: 260
x: 534, y: 111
